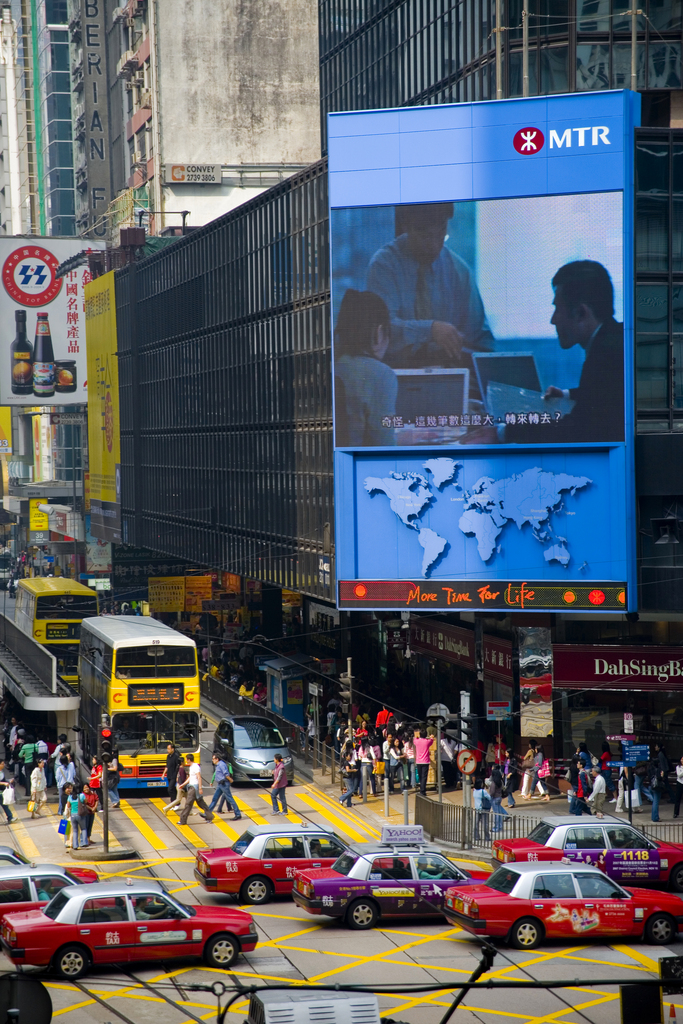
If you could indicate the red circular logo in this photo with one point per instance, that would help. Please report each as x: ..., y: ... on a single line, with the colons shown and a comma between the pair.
x: 528, y: 141
x: 360, y: 590
x: 596, y: 597
x: 28, y: 275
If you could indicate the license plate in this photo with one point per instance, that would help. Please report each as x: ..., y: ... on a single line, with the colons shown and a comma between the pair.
x: 156, y: 783
x: 264, y: 773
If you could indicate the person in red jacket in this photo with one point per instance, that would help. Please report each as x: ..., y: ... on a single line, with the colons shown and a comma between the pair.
x: 95, y: 780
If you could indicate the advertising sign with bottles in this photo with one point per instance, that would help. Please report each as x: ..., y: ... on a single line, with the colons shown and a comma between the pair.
x: 42, y: 336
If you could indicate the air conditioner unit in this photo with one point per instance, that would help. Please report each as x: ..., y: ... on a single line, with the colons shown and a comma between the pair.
x: 146, y: 99
x: 126, y: 65
x: 118, y: 14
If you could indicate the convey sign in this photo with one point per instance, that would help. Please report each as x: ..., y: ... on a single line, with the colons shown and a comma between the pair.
x: 402, y: 834
x: 188, y: 174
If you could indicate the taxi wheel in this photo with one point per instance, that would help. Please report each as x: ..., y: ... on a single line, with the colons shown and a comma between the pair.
x: 660, y: 930
x: 527, y: 933
x: 72, y: 962
x: 676, y: 878
x: 362, y: 914
x: 221, y: 951
x: 256, y: 890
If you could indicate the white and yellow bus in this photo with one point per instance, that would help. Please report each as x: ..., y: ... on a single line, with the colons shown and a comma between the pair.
x: 51, y: 611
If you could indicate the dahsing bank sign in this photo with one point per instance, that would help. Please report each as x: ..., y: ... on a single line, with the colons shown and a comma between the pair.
x: 628, y: 668
x: 481, y: 296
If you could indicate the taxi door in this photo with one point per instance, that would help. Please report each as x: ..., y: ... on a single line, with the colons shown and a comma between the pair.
x: 435, y: 875
x: 104, y: 927
x: 392, y: 884
x: 631, y: 858
x: 162, y: 931
x: 605, y: 909
x: 282, y: 857
x: 585, y: 843
x: 556, y: 902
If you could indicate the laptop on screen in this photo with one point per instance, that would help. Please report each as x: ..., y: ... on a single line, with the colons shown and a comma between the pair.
x: 432, y: 391
x: 515, y: 369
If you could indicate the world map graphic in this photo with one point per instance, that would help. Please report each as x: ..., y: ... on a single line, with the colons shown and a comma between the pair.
x: 529, y: 499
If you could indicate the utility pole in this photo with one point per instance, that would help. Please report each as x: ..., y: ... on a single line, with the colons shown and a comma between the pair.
x: 499, y: 49
x: 634, y: 47
x: 525, y: 52
x: 106, y: 754
x: 346, y: 695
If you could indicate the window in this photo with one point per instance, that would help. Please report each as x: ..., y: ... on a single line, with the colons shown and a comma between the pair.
x: 49, y: 885
x: 549, y: 887
x: 240, y: 845
x: 154, y: 730
x: 436, y: 867
x: 153, y: 908
x: 626, y: 839
x: 503, y: 880
x: 104, y: 910
x: 584, y: 839
x: 255, y: 733
x: 15, y: 890
x: 156, y: 662
x: 325, y: 846
x: 285, y: 846
x: 54, y: 908
x: 344, y: 863
x: 389, y: 869
x: 599, y: 887
x: 66, y: 606
x: 541, y: 834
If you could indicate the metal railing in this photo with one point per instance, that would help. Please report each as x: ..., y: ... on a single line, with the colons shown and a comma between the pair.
x: 22, y: 650
x: 458, y: 825
x: 231, y: 702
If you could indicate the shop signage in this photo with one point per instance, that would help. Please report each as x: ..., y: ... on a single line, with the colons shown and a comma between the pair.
x: 166, y: 593
x: 197, y: 590
x: 498, y: 659
x: 618, y: 668
x: 498, y: 595
x: 396, y: 638
x: 498, y: 709
x: 443, y: 641
x: 628, y: 722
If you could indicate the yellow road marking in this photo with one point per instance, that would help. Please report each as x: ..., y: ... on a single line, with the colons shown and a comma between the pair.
x: 343, y: 812
x: 98, y: 829
x: 249, y: 811
x: 184, y: 830
x: 226, y: 829
x: 74, y: 1006
x: 284, y: 938
x: 28, y: 847
x: 145, y: 830
x: 639, y: 957
x: 377, y: 958
x: 294, y: 818
x: 333, y: 818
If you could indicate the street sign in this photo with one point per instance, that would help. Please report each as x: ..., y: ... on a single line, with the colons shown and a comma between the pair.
x: 616, y: 764
x: 438, y: 711
x: 618, y: 737
x: 498, y: 709
x: 466, y: 762
x: 402, y: 834
x: 315, y: 689
x: 636, y: 752
x: 63, y: 419
x: 628, y: 722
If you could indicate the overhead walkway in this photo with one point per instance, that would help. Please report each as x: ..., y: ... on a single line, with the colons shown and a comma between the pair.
x: 29, y: 672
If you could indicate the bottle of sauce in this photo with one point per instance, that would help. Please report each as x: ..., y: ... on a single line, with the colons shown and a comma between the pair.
x: 21, y: 357
x: 43, y: 359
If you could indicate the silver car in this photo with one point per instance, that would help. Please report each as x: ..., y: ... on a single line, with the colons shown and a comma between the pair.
x: 249, y: 743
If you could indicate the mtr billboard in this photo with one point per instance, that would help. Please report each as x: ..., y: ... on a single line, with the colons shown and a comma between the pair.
x: 482, y: 302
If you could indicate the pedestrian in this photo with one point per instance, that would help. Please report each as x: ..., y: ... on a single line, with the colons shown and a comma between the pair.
x: 599, y: 793
x: 27, y: 756
x: 277, y: 790
x: 66, y: 813
x: 195, y: 793
x: 349, y: 773
x: 622, y: 789
x: 91, y: 800
x: 528, y: 770
x: 367, y: 765
x: 584, y: 788
x: 482, y: 807
x: 584, y: 754
x: 38, y: 787
x: 386, y: 747
x: 62, y: 779
x: 656, y: 783
x: 113, y: 779
x: 44, y: 752
x: 422, y: 745
x: 510, y: 777
x: 84, y: 816
x: 223, y: 792
x: 181, y: 795
x: 396, y: 761
x: 170, y: 773
x: 73, y: 806
x: 575, y: 805
x: 5, y: 785
x: 664, y: 768
x: 95, y: 780
x: 679, y: 786
x: 409, y: 751
x: 496, y: 795
x: 536, y: 780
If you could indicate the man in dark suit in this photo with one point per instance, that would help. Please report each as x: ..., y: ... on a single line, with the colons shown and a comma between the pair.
x: 584, y: 315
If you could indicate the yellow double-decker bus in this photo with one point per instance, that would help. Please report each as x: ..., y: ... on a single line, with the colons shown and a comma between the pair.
x: 51, y: 610
x: 144, y: 675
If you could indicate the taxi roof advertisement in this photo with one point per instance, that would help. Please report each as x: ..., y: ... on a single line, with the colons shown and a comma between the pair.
x: 482, y: 306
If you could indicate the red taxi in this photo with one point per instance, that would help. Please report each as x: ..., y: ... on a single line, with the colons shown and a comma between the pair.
x: 527, y: 903
x: 619, y: 849
x: 117, y: 923
x: 264, y: 860
x: 29, y: 888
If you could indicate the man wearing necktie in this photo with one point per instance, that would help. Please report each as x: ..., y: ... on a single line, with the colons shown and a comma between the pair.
x: 437, y: 316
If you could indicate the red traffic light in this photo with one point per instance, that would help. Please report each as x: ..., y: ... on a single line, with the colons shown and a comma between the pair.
x: 106, y: 733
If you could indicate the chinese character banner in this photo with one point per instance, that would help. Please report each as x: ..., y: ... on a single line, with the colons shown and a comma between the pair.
x: 42, y: 337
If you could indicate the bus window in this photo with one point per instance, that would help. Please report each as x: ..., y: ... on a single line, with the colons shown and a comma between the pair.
x: 152, y: 731
x: 66, y: 606
x: 156, y: 662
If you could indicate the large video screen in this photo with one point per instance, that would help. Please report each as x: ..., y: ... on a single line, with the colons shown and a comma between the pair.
x: 487, y: 322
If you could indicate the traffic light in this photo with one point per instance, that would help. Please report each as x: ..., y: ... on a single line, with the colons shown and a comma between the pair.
x: 466, y: 720
x: 106, y: 751
x: 345, y: 693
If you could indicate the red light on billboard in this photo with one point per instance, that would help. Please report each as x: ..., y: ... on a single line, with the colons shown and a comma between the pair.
x: 569, y: 597
x: 621, y: 597
x: 360, y: 590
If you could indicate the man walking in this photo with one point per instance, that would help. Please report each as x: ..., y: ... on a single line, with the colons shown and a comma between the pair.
x: 38, y: 786
x: 195, y: 793
x: 66, y: 776
x: 277, y: 791
x: 171, y: 770
x: 223, y: 791
x: 3, y: 786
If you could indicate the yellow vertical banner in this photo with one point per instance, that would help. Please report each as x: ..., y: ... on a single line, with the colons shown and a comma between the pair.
x: 37, y: 520
x: 103, y: 409
x: 166, y: 593
x: 5, y: 430
x: 197, y: 590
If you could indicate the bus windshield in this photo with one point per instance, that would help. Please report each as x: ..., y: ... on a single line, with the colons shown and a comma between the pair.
x: 151, y: 731
x: 66, y: 606
x: 155, y: 662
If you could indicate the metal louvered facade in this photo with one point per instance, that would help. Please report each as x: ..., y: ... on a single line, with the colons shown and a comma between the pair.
x: 225, y: 391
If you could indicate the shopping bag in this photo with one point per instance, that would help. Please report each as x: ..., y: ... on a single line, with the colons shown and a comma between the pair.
x: 379, y: 768
x: 31, y: 806
x: 62, y: 827
x: 635, y: 798
x: 67, y: 831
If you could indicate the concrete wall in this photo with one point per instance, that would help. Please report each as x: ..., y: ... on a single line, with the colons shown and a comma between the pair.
x: 238, y: 81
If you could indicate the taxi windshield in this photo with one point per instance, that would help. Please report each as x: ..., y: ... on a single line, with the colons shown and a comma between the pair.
x: 503, y: 880
x: 240, y: 845
x: 541, y: 834
x: 55, y: 906
x: 344, y: 863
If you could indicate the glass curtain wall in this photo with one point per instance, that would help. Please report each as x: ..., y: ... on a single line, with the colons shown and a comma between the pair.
x: 55, y: 114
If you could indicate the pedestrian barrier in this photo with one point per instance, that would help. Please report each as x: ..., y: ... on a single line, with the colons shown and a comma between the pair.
x: 230, y: 701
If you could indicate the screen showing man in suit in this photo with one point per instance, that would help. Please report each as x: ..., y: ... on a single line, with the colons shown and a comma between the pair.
x: 504, y: 322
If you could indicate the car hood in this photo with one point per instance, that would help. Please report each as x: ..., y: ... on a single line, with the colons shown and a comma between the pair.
x: 656, y: 896
x: 27, y: 917
x: 260, y: 754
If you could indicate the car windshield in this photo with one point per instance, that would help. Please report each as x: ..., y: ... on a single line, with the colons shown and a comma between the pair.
x: 503, y: 880
x: 541, y: 834
x: 172, y: 661
x: 240, y: 845
x: 13, y: 857
x: 55, y: 906
x: 257, y: 734
x: 344, y: 863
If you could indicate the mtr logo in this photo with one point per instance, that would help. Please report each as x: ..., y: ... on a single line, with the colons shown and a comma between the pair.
x: 528, y: 141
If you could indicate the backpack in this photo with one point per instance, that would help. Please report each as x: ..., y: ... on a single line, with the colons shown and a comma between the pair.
x: 485, y: 801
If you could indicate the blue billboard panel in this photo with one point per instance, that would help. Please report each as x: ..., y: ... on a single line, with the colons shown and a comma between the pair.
x: 482, y: 343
